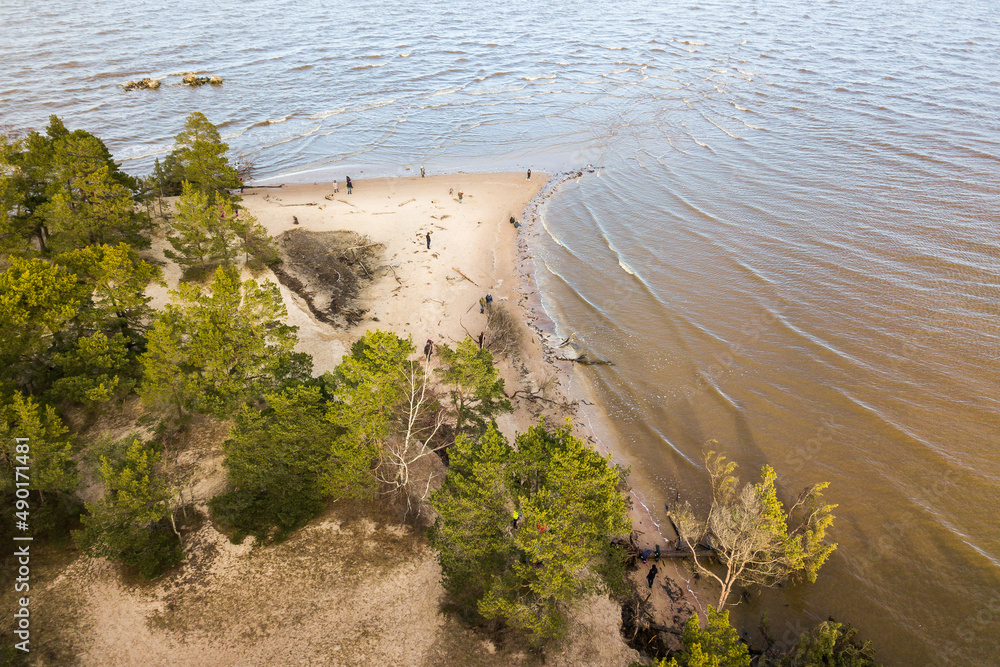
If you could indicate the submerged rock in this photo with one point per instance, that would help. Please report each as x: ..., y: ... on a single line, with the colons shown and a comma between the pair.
x: 143, y: 84
x: 193, y: 80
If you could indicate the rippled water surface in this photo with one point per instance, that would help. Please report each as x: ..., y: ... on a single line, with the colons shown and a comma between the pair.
x: 791, y: 245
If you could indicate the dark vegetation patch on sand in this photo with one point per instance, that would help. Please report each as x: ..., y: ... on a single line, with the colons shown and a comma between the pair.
x: 328, y: 270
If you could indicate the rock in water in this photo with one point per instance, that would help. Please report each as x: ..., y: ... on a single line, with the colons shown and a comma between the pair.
x: 147, y: 83
x: 192, y: 80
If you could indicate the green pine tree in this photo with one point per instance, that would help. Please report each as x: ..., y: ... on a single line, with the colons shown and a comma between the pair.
x: 132, y: 523
x: 476, y: 388
x: 209, y: 352
x: 275, y: 462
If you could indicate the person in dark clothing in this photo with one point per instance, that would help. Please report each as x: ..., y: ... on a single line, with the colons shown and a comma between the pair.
x: 529, y: 174
x: 512, y: 220
x: 481, y: 334
x: 489, y: 299
x: 651, y: 576
x: 429, y: 349
x: 656, y: 554
x: 645, y: 555
x: 350, y: 185
x: 428, y: 235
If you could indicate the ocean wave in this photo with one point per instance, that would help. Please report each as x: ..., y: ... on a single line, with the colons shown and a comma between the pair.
x: 685, y: 41
x: 446, y: 91
x: 327, y: 114
x: 721, y: 128
x: 265, y: 123
x: 536, y: 78
x: 123, y: 156
x: 497, y: 91
x: 368, y: 66
x: 292, y: 138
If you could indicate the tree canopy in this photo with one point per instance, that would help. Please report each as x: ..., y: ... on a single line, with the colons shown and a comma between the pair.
x: 132, y: 522
x: 37, y: 301
x: 199, y: 157
x: 275, y: 461
x: 476, y: 389
x: 716, y: 645
x: 64, y: 188
x: 211, y: 351
x: 757, y: 541
x: 569, y: 503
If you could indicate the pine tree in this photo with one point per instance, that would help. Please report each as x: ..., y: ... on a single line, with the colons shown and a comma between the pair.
x: 275, y: 460
x: 717, y: 645
x: 116, y: 278
x: 477, y: 390
x: 133, y: 521
x: 199, y: 157
x: 211, y: 352
x: 568, y: 502
x: 37, y: 301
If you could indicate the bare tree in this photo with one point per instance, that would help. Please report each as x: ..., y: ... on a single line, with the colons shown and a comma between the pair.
x: 748, y: 530
x: 399, y: 469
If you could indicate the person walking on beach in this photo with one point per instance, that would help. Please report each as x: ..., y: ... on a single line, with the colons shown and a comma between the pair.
x: 428, y: 235
x: 421, y: 171
x: 429, y: 349
x: 459, y: 196
x: 336, y: 188
x: 529, y: 175
x: 651, y: 576
x: 489, y: 299
x: 482, y: 305
x: 350, y: 185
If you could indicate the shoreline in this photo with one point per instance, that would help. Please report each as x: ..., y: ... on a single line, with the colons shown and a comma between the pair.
x: 646, y: 532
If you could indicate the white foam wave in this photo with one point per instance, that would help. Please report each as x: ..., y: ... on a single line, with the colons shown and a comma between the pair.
x: 552, y: 236
x: 446, y: 91
x: 374, y: 105
x: 625, y: 268
x: 138, y: 156
x: 685, y: 41
x: 536, y: 78
x: 701, y: 144
x: 720, y: 127
x: 327, y: 114
x: 405, y: 55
